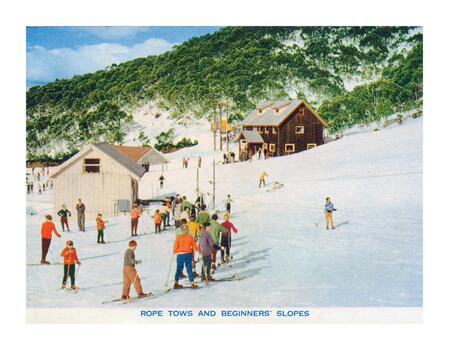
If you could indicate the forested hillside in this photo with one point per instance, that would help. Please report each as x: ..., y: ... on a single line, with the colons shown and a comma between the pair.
x: 238, y: 67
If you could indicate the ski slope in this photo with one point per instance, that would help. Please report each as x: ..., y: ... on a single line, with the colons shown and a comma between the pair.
x: 282, y: 251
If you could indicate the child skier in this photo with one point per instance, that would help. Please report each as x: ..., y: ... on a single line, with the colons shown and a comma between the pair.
x: 184, y: 246
x: 215, y: 230
x: 70, y: 258
x: 262, y: 178
x: 157, y: 221
x: 130, y: 275
x: 226, y: 238
x: 228, y: 202
x: 135, y: 215
x: 328, y: 209
x: 64, y: 213
x: 206, y: 244
x: 47, y: 228
x: 100, y: 228
x: 203, y: 216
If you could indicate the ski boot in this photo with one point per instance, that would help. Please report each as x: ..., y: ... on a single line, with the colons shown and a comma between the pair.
x: 63, y: 286
x: 74, y: 288
x: 193, y: 285
x: 209, y: 278
x: 182, y: 276
x: 143, y: 295
x: 177, y: 286
x: 126, y: 297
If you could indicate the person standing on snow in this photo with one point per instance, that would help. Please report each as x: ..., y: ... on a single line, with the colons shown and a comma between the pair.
x: 203, y: 216
x: 206, y: 244
x: 135, y: 215
x: 228, y: 202
x: 177, y: 212
x: 130, y: 275
x: 80, y: 208
x: 47, y: 229
x: 100, y: 228
x: 185, y: 214
x: 184, y: 246
x: 70, y: 258
x: 226, y: 237
x: 161, y: 181
x: 157, y: 221
x: 328, y: 210
x: 215, y: 230
x: 262, y: 179
x: 64, y: 213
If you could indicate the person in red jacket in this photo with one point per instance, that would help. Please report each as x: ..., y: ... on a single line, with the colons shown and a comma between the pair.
x: 70, y: 258
x: 184, y: 246
x: 47, y: 229
x: 226, y: 238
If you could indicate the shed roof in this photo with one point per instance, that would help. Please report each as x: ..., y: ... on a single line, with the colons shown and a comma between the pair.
x: 251, y: 136
x: 121, y: 158
x: 133, y: 152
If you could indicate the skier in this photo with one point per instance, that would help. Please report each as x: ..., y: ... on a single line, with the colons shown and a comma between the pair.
x: 199, y: 162
x: 185, y: 204
x: 80, y: 208
x: 161, y: 181
x: 184, y: 246
x: 64, y: 213
x: 167, y: 205
x: 157, y: 221
x: 135, y: 215
x: 226, y: 238
x: 48, y: 227
x: 185, y: 214
x: 164, y: 212
x: 177, y: 213
x: 259, y: 152
x: 262, y: 177
x: 39, y: 188
x: 328, y: 209
x: 194, y: 229
x: 228, y: 202
x: 203, y: 216
x: 100, y: 228
x: 70, y: 258
x: 215, y: 230
x: 206, y: 244
x: 265, y: 153
x: 130, y: 275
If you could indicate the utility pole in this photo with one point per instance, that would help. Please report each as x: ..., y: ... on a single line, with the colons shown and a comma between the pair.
x: 215, y: 129
x: 213, y: 185
x: 197, y: 182
x: 221, y: 133
x: 226, y: 131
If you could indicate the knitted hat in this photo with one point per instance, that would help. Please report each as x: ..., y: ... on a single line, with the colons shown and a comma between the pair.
x: 48, y: 217
x: 132, y: 243
x: 69, y: 242
x: 185, y: 229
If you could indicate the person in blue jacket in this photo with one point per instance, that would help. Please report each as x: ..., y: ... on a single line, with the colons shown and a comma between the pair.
x: 328, y: 210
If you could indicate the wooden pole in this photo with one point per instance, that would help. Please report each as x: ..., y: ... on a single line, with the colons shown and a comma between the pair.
x: 215, y: 129
x: 197, y: 182
x: 213, y: 185
x: 221, y: 133
x: 226, y: 131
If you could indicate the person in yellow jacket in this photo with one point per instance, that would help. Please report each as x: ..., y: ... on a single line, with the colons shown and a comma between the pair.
x: 194, y: 229
x: 262, y: 178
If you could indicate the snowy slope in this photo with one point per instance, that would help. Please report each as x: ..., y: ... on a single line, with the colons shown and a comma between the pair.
x: 283, y: 252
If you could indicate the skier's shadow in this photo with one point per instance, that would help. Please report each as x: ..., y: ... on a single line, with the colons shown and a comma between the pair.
x: 250, y: 255
x: 239, y: 243
x: 250, y: 272
x: 97, y: 256
x: 108, y: 284
x: 342, y: 223
x: 242, y: 263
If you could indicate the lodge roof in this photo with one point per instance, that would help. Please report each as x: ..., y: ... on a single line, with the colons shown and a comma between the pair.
x: 251, y: 136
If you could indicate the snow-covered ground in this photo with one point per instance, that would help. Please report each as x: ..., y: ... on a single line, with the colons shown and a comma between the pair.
x: 282, y: 250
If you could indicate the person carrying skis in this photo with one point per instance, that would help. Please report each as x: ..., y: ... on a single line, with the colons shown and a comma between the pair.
x: 135, y: 215
x: 262, y: 177
x: 100, y: 228
x: 228, y: 202
x: 47, y: 229
x: 226, y: 238
x: 64, y: 213
x: 328, y: 210
x: 70, y: 258
x: 206, y: 244
x: 157, y: 221
x: 130, y: 275
x: 184, y: 246
x: 80, y: 208
x: 203, y: 216
x: 161, y: 181
x: 215, y: 230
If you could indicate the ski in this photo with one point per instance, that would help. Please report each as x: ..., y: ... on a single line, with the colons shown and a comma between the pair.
x: 39, y: 264
x: 132, y: 299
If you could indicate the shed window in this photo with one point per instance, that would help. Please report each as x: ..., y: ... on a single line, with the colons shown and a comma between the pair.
x: 311, y: 145
x: 299, y: 129
x: 91, y: 165
x: 289, y: 147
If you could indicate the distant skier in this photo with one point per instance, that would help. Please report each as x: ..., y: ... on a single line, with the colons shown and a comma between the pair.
x: 161, y: 181
x: 167, y: 205
x: 262, y: 177
x: 228, y: 202
x: 157, y: 221
x: 226, y: 237
x: 206, y: 244
x: 100, y: 228
x: 64, y: 213
x: 130, y: 275
x: 185, y: 214
x: 199, y: 162
x: 47, y: 229
x: 184, y: 246
x: 216, y: 229
x: 70, y: 258
x: 39, y: 188
x: 265, y: 153
x: 135, y: 215
x: 259, y: 153
x: 328, y: 210
x: 80, y: 209
x: 203, y: 216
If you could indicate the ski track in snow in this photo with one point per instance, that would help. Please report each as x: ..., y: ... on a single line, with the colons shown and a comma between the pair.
x: 282, y: 250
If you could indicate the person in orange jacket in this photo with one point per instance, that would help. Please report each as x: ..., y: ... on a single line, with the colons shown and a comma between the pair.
x: 157, y: 221
x: 135, y: 214
x: 47, y: 229
x: 100, y: 228
x: 184, y: 246
x: 70, y: 258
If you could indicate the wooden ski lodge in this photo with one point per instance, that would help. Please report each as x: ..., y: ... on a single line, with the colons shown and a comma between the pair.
x: 281, y: 127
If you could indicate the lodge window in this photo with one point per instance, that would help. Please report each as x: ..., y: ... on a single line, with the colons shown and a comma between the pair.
x: 311, y: 145
x: 91, y: 165
x: 299, y: 129
x: 274, y: 130
x: 272, y: 147
x: 289, y: 147
x: 265, y: 146
x: 301, y: 111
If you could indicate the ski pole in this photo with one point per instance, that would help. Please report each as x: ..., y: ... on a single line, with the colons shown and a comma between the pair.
x: 77, y: 270
x: 169, y: 270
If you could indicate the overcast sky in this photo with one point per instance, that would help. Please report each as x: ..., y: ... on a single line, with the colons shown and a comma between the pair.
x: 62, y: 52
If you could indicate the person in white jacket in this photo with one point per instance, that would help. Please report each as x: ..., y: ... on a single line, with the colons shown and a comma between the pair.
x: 177, y: 213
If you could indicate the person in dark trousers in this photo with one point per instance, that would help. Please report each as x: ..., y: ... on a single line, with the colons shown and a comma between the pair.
x: 135, y: 215
x: 100, y: 228
x: 328, y: 211
x: 228, y: 202
x: 80, y: 209
x: 161, y: 181
x: 184, y: 246
x: 265, y: 153
x: 47, y: 229
x: 70, y: 258
x: 206, y: 244
x: 226, y: 238
x: 64, y: 213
